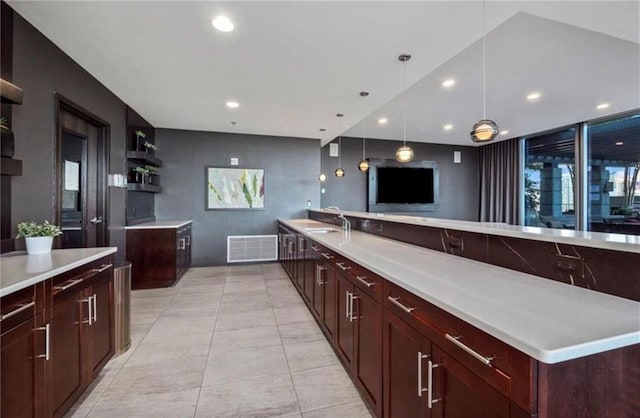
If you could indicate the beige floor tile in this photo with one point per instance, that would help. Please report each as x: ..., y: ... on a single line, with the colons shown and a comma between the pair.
x: 268, y: 396
x: 292, y: 315
x: 169, y: 349
x: 300, y: 332
x: 349, y: 410
x: 232, y: 364
x: 244, y: 338
x: 249, y: 303
x: 164, y: 405
x: 251, y: 319
x: 310, y: 355
x: 97, y: 388
x: 287, y: 301
x: 245, y: 285
x: 323, y: 387
x: 81, y: 412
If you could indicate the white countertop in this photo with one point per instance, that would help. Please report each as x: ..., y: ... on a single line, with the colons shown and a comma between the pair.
x: 616, y: 242
x: 19, y: 270
x: 550, y: 321
x: 160, y: 224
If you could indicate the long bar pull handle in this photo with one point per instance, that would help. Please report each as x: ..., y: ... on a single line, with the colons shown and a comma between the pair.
x: 188, y: 238
x: 343, y: 267
x: 362, y: 280
x: 352, y: 317
x: 103, y: 268
x: 400, y: 305
x: 320, y: 281
x: 95, y: 308
x: 181, y: 244
x: 347, y: 304
x: 420, y: 388
x: 327, y: 256
x: 456, y: 340
x: 68, y: 285
x: 17, y: 310
x: 47, y: 334
x: 89, y: 301
x: 430, y: 400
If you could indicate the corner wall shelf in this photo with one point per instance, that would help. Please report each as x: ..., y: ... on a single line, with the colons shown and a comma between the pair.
x: 11, y: 167
x: 144, y: 157
x: 143, y: 187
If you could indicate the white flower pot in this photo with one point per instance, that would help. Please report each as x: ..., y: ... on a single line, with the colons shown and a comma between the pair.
x: 38, y: 245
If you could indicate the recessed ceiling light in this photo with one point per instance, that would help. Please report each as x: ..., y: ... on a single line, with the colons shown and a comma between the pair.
x: 323, y: 130
x: 233, y: 105
x: 619, y: 143
x: 448, y: 83
x: 447, y: 127
x: 533, y: 96
x: 222, y: 23
x: 603, y: 106
x: 504, y: 132
x: 382, y: 121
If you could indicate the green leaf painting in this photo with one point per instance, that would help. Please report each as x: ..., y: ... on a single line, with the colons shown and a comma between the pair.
x: 235, y: 188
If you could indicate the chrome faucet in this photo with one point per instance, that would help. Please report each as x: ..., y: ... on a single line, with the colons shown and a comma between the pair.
x: 346, y: 224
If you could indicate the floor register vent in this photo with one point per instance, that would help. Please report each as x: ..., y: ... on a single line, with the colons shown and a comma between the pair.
x: 244, y: 248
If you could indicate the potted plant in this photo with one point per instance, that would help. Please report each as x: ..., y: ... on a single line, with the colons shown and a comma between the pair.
x: 38, y: 237
x: 6, y: 139
x: 139, y: 175
x: 140, y: 136
x: 152, y: 176
x: 149, y: 147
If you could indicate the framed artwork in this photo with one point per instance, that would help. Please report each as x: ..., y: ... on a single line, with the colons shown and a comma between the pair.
x: 234, y: 188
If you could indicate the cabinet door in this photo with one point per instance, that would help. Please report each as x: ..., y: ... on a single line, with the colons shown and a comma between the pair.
x: 344, y: 321
x: 367, y: 368
x: 403, y: 351
x: 329, y: 300
x: 301, y: 255
x: 310, y: 275
x: 18, y: 371
x: 188, y: 236
x: 462, y: 394
x: 67, y: 319
x: 100, y: 332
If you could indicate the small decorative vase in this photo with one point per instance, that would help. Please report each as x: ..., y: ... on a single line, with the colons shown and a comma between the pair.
x: 7, y: 144
x: 38, y: 245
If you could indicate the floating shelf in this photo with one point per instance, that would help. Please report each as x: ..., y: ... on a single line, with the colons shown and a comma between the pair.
x: 144, y: 158
x: 143, y: 187
x: 10, y: 167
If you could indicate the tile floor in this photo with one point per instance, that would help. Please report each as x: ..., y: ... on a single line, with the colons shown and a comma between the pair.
x: 224, y: 342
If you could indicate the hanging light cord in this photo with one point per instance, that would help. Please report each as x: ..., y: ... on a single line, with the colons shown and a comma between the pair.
x: 484, y: 61
x: 339, y: 141
x: 404, y: 103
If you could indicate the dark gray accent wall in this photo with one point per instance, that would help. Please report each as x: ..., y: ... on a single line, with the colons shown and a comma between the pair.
x: 42, y: 69
x: 291, y: 169
x: 459, y: 185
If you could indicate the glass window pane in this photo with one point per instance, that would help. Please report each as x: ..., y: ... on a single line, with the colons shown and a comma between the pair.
x: 549, y: 180
x: 613, y: 148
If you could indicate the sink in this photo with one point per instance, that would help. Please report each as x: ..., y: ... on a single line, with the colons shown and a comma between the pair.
x: 320, y: 230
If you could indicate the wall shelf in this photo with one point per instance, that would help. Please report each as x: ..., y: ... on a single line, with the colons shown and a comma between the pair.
x: 143, y: 187
x: 144, y: 157
x: 10, y: 167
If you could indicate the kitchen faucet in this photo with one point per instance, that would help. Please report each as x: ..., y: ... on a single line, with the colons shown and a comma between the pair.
x: 346, y: 224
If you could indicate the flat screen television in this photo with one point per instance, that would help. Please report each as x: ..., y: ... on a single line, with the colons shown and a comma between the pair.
x: 402, y: 187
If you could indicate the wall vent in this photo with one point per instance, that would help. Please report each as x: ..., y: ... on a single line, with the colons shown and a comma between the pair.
x: 245, y: 248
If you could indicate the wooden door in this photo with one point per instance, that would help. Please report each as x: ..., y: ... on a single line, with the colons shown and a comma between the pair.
x: 329, y: 300
x: 344, y: 320
x: 367, y: 368
x: 67, y: 320
x: 462, y: 394
x: 401, y: 369
x: 18, y: 363
x: 100, y: 340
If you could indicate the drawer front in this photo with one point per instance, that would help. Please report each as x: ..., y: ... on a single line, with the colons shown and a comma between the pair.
x: 70, y: 283
x: 368, y: 282
x: 17, y: 308
x: 483, y: 354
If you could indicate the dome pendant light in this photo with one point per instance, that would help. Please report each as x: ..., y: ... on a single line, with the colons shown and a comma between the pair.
x: 404, y: 154
x: 484, y: 130
x: 363, y: 165
x: 339, y: 171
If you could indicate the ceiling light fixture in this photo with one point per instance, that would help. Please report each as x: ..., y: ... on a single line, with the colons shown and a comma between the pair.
x: 233, y: 105
x: 339, y: 171
x: 448, y: 83
x: 222, y: 23
x: 504, y: 132
x: 447, y: 127
x: 619, y: 143
x: 484, y: 130
x: 383, y: 121
x: 533, y: 96
x: 363, y: 165
x: 404, y: 154
x: 603, y: 106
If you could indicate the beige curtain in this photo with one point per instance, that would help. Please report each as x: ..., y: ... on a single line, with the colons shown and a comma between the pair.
x: 499, y: 182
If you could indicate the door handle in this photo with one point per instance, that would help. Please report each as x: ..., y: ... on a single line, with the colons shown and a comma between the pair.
x: 96, y: 220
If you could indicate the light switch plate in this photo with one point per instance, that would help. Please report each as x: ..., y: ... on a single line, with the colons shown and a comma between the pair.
x: 234, y: 161
x: 457, y: 157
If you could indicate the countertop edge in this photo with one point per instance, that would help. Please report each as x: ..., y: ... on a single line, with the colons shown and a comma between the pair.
x: 160, y: 224
x: 54, y: 272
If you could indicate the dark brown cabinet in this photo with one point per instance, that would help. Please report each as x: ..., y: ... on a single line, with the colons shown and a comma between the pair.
x: 159, y: 256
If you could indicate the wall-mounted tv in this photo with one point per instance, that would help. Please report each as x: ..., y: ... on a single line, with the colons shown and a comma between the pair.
x: 402, y: 187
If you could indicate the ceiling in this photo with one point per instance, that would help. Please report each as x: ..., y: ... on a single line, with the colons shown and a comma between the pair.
x: 293, y: 65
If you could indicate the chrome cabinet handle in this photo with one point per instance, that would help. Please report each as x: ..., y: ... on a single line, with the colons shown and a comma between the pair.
x: 430, y: 400
x: 420, y: 388
x: 315, y: 248
x: 188, y: 237
x: 89, y: 301
x: 351, y: 316
x: 181, y: 244
x: 68, y: 285
x: 362, y: 280
x: 327, y: 256
x: 456, y: 340
x: 17, y: 310
x: 400, y: 305
x: 346, y: 305
x: 320, y: 270
x: 47, y: 334
x: 102, y: 268
x: 343, y: 267
x: 96, y: 220
x: 95, y: 308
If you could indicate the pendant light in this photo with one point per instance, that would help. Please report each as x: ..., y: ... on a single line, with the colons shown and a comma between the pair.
x: 363, y: 165
x: 339, y: 171
x: 484, y: 130
x: 404, y: 154
x: 322, y: 177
